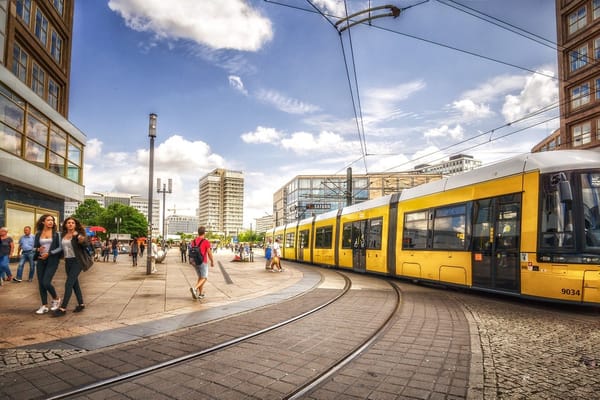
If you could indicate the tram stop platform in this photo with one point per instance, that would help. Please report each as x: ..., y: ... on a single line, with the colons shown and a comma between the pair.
x: 124, y: 303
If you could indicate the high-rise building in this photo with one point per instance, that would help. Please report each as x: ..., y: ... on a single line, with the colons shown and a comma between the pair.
x: 455, y: 165
x: 578, y: 39
x: 41, y: 152
x: 182, y: 224
x: 221, y: 201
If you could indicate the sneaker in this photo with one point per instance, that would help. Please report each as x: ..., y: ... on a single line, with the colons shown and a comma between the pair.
x: 79, y: 308
x: 194, y: 293
x: 16, y: 280
x: 58, y: 313
x: 54, y: 305
x: 42, y: 310
x: 30, y: 280
x: 201, y: 296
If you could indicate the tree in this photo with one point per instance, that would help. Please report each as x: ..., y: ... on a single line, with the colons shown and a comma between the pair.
x: 132, y: 222
x: 89, y: 212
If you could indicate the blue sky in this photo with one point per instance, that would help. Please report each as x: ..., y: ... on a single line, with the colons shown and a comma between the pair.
x: 262, y: 87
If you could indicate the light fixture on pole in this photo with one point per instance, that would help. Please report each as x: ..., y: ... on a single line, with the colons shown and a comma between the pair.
x: 152, y: 136
x: 164, y: 191
x: 118, y: 221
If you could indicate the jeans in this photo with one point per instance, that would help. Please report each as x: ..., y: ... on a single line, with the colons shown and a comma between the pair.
x: 4, y: 268
x: 26, y: 256
x: 45, y: 272
x: 73, y: 270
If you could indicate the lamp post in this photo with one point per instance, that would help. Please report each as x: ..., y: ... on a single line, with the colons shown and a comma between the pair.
x: 118, y: 221
x: 164, y: 191
x: 152, y: 136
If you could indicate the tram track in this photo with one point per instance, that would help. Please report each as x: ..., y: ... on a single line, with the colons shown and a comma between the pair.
x: 237, y: 334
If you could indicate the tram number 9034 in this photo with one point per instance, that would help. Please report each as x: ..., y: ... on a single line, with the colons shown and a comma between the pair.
x: 570, y: 292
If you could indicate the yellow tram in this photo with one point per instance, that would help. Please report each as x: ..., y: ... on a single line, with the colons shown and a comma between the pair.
x: 528, y: 226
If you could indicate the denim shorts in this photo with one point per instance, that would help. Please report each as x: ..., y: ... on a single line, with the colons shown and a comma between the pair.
x: 202, y: 270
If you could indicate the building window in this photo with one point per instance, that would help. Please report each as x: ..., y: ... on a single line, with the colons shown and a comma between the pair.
x: 598, y: 130
x: 580, y: 95
x: 53, y: 92
x: 19, y: 67
x: 578, y: 58
x: 577, y: 20
x: 59, y: 5
x: 56, y: 46
x: 581, y: 134
x: 596, y: 8
x: 41, y: 27
x: 597, y: 49
x: 38, y: 79
x: 24, y: 10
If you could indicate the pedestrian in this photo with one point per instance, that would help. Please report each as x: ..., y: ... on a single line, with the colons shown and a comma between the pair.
x: 26, y: 243
x: 205, y: 249
x: 133, y: 250
x: 142, y: 248
x: 276, y: 262
x: 183, y: 248
x: 268, y: 254
x: 48, y: 250
x: 115, y: 249
x: 97, y: 244
x: 74, y: 243
x: 7, y: 246
x: 154, y: 255
x: 106, y: 250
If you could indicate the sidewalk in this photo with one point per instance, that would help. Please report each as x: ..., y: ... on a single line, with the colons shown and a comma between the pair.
x: 118, y: 295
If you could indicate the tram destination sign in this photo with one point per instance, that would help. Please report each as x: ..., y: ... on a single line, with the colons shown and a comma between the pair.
x: 318, y: 206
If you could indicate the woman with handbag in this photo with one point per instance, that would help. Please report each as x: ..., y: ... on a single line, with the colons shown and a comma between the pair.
x: 74, y: 242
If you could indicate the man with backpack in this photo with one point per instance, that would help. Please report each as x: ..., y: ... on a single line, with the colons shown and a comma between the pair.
x: 200, y: 253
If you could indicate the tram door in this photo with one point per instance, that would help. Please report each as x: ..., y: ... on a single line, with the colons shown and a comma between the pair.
x: 302, y: 243
x: 496, y: 237
x: 359, y: 246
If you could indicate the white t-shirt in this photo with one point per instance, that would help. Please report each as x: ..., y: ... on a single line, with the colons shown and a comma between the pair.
x: 276, y: 250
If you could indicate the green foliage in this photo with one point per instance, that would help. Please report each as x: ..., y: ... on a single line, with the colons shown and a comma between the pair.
x: 251, y: 237
x: 132, y: 221
x: 89, y: 212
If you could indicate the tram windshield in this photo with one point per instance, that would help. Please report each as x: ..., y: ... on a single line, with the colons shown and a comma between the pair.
x: 570, y: 211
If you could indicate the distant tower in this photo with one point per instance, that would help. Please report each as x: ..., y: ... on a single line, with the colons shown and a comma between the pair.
x: 221, y: 201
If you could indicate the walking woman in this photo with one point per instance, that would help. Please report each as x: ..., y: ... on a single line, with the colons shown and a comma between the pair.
x: 74, y: 239
x: 48, y: 249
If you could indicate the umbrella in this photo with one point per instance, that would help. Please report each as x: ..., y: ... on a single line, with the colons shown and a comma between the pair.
x: 91, y: 230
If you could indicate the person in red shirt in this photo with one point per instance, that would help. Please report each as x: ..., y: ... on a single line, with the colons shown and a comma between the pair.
x: 202, y: 269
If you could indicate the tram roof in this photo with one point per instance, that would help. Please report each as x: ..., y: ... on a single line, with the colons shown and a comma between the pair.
x: 544, y: 162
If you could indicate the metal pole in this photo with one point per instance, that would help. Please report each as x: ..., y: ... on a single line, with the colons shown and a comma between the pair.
x: 152, y: 135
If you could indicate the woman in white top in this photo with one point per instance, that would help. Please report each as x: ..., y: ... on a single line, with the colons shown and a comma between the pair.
x: 73, y: 240
x: 47, y: 253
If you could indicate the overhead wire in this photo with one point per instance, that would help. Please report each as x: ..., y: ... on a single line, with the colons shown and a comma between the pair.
x: 515, y: 30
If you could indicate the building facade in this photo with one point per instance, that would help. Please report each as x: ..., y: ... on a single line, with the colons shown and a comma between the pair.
x: 308, y: 195
x: 41, y: 152
x: 455, y: 165
x: 182, y: 224
x: 221, y: 201
x: 578, y: 39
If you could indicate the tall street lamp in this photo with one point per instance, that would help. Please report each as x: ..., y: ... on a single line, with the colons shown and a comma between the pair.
x: 164, y: 191
x: 152, y: 136
x: 118, y: 221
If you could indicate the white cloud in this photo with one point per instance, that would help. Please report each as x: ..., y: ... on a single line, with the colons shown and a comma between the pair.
x: 224, y: 24
x: 262, y: 135
x: 538, y: 91
x: 455, y: 133
x: 325, y: 142
x: 284, y: 103
x: 382, y: 103
x: 469, y: 110
x: 236, y: 83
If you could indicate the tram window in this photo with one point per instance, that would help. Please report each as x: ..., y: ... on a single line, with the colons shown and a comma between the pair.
x: 374, y: 233
x: 289, y: 240
x: 347, y: 236
x: 416, y: 230
x: 303, y: 239
x: 590, y: 191
x: 324, y: 237
x: 556, y: 216
x: 449, y: 228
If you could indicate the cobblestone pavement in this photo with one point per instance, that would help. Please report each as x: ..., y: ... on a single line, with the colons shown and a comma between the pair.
x: 536, y: 351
